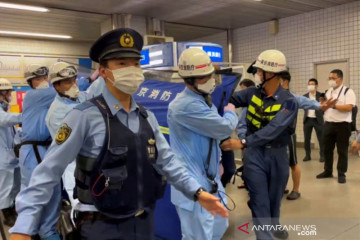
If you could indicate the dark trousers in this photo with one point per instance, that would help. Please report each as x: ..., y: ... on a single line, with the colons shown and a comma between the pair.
x: 292, y: 151
x: 139, y: 228
x: 266, y: 172
x: 228, y: 162
x: 309, y: 124
x: 339, y: 134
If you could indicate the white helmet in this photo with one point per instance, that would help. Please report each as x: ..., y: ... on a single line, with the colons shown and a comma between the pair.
x: 194, y: 62
x: 35, y: 70
x: 5, y: 84
x: 61, y: 71
x: 271, y: 61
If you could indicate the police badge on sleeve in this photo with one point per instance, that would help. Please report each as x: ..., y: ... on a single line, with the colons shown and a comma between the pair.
x: 62, y: 134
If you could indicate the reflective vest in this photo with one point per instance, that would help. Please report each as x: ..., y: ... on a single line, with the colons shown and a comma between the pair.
x: 258, y: 116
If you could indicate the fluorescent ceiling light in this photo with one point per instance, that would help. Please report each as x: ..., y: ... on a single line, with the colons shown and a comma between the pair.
x: 155, y: 62
x: 155, y: 54
x: 23, y: 7
x: 35, y: 34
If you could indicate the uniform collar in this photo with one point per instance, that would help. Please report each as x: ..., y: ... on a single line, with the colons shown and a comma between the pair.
x: 190, y: 92
x: 275, y: 96
x: 114, y: 104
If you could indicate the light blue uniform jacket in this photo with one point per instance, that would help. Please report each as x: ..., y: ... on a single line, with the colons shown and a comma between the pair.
x: 192, y: 124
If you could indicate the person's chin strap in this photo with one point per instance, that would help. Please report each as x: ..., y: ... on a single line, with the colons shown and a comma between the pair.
x: 66, y: 96
x: 265, y: 80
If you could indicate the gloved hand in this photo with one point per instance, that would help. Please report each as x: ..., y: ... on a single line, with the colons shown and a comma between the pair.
x: 229, y: 107
x: 95, y: 75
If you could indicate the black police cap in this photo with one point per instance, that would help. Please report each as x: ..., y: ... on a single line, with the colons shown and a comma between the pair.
x: 251, y: 68
x: 118, y: 43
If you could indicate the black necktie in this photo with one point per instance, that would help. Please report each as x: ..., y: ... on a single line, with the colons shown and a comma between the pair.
x: 208, y: 100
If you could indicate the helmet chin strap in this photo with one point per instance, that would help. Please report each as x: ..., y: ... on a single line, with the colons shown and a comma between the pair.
x: 265, y: 79
x: 66, y: 96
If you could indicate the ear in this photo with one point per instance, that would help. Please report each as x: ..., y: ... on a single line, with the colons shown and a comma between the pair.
x: 103, y: 72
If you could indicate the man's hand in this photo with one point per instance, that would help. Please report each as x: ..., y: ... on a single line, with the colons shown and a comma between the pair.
x: 231, y: 144
x: 328, y: 104
x: 18, y: 236
x: 229, y: 107
x: 355, y: 147
x: 212, y: 204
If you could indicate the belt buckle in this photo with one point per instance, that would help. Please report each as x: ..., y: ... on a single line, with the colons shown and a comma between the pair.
x: 139, y: 212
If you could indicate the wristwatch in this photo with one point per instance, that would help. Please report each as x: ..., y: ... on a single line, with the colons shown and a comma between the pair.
x: 197, y: 194
x: 244, y: 143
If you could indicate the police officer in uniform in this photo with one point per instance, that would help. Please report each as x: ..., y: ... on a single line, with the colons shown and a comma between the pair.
x: 36, y: 139
x: 63, y: 77
x: 270, y: 118
x: 122, y: 157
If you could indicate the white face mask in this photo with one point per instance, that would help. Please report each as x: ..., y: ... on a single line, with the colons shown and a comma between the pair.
x: 257, y: 79
x: 208, y: 87
x: 311, y: 88
x: 127, y: 79
x: 42, y: 85
x: 332, y: 83
x: 73, y: 92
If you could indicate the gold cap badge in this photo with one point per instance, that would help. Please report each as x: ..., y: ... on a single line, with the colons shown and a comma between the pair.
x: 126, y: 40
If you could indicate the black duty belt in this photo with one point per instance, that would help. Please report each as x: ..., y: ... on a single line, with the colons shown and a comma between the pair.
x: 98, y: 216
x: 34, y: 144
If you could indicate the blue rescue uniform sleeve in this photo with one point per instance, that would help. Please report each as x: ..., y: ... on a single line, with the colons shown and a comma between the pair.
x: 31, y: 201
x: 241, y: 98
x: 199, y: 118
x: 242, y: 125
x: 170, y: 165
x: 307, y: 103
x: 9, y: 119
x: 282, y: 120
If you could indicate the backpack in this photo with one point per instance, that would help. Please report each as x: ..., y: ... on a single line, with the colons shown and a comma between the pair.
x: 354, y: 112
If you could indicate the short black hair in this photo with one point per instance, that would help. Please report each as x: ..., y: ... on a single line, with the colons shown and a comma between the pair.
x: 338, y: 72
x: 313, y: 80
x: 104, y: 63
x: 247, y: 82
x: 285, y: 76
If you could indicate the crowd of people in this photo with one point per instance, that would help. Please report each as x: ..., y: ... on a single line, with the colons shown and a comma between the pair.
x: 99, y: 151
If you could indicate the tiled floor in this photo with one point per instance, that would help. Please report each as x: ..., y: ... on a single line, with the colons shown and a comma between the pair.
x: 333, y: 208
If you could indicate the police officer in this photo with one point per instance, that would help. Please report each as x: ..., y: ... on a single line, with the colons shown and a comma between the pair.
x: 121, y: 155
x: 196, y: 129
x: 63, y: 78
x: 270, y: 117
x: 9, y: 164
x: 36, y: 139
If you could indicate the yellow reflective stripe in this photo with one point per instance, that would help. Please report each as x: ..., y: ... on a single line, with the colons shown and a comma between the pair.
x: 164, y: 130
x: 273, y: 108
x: 270, y: 117
x: 251, y: 109
x: 254, y: 122
x: 256, y: 100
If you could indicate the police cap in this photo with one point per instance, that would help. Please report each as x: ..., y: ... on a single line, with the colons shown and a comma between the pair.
x: 118, y: 43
